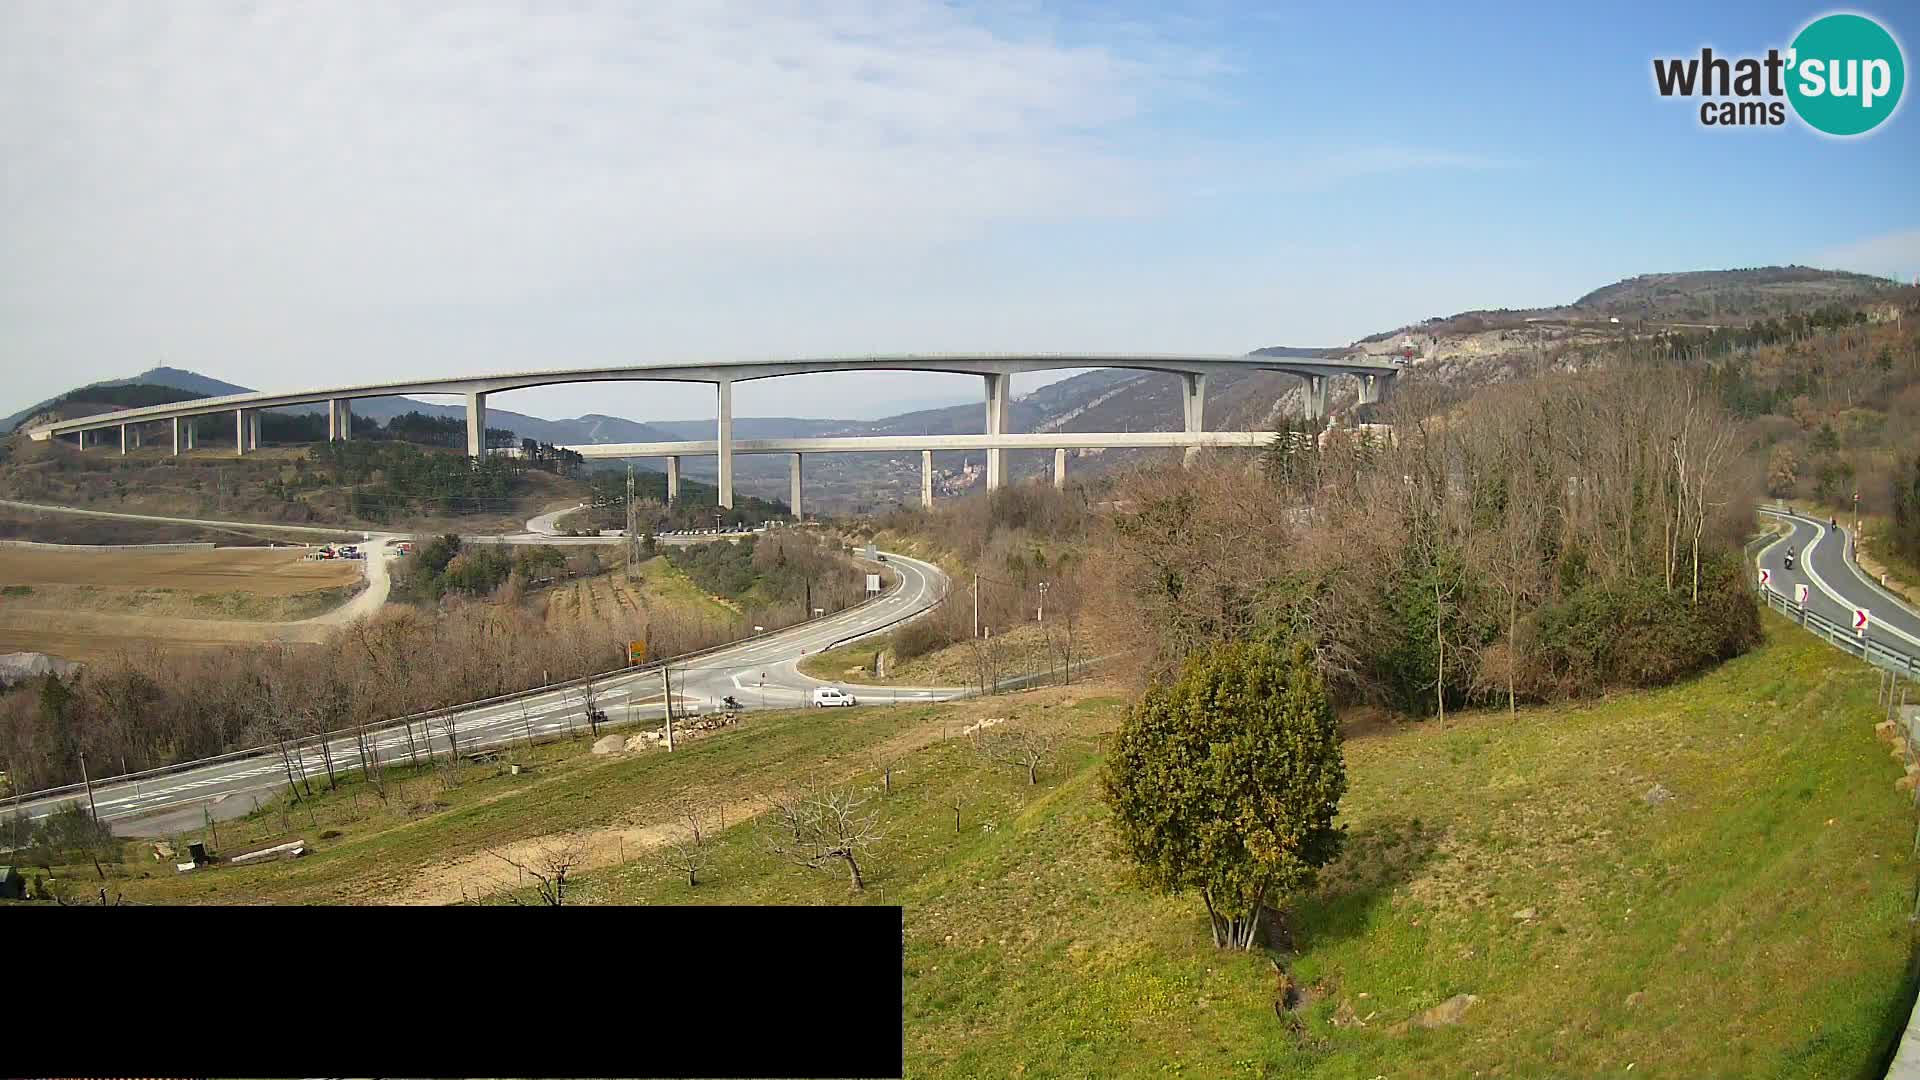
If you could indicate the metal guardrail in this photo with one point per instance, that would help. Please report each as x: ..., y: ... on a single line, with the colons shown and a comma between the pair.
x: 1875, y: 652
x: 1881, y: 654
x: 430, y: 715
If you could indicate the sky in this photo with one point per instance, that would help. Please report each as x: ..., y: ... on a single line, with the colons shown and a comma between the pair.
x: 292, y: 195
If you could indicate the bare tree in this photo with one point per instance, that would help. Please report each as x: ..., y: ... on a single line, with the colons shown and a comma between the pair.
x: 550, y: 871
x: 590, y: 698
x: 1065, y: 599
x: 692, y: 845
x: 821, y: 828
x: 1027, y: 746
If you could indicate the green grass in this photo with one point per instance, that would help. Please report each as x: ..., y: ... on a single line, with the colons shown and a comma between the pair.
x: 835, y: 663
x: 668, y: 584
x: 423, y: 821
x: 1762, y: 940
x: 1753, y: 925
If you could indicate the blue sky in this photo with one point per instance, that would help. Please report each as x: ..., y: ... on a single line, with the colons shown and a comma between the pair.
x: 316, y: 194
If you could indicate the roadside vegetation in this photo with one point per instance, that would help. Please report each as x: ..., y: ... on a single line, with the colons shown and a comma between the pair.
x: 1673, y: 862
x: 1556, y: 538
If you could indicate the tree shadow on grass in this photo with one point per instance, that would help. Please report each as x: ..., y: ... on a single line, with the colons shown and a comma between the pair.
x: 1377, y: 859
x: 1891, y: 1023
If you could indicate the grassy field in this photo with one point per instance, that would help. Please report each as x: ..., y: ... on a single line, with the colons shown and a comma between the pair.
x: 86, y: 604
x: 1708, y: 880
x: 1019, y: 651
x: 611, y: 596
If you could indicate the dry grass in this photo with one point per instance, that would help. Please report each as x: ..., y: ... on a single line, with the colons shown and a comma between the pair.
x: 266, y: 572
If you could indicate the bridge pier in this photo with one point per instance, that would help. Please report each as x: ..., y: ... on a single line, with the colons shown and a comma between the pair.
x: 793, y: 497
x: 1316, y: 397
x: 476, y: 424
x: 339, y: 419
x: 239, y: 432
x: 1060, y: 470
x: 724, y: 393
x: 997, y: 385
x: 253, y: 429
x: 1194, y: 397
x: 176, y: 436
x: 673, y: 479
x: 926, y: 479
x: 123, y: 439
x: 193, y: 431
x: 1372, y: 389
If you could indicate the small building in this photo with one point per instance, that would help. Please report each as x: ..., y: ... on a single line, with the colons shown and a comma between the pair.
x: 12, y: 885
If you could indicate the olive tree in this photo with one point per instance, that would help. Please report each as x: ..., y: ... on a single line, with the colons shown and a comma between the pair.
x: 1227, y: 780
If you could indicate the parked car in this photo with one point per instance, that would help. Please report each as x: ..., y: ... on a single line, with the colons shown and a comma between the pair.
x: 826, y: 697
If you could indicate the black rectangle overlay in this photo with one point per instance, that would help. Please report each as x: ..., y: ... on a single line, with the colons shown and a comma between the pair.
x: 456, y: 992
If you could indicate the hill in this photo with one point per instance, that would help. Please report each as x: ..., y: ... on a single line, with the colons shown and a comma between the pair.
x: 1593, y: 925
x: 1457, y: 352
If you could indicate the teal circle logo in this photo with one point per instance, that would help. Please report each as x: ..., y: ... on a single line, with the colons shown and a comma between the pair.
x: 1846, y: 74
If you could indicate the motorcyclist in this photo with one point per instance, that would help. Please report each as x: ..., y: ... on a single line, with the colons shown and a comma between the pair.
x: 730, y: 702
x: 1789, y: 558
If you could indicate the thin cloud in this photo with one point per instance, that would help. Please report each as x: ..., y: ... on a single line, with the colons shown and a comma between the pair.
x: 1894, y: 254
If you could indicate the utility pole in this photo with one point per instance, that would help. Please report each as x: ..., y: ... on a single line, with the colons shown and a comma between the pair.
x: 1042, y: 616
x: 89, y: 782
x: 976, y: 603
x: 666, y: 683
x: 633, y: 529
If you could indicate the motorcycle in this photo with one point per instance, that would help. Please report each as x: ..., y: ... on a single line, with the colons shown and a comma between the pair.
x: 731, y: 703
x: 1789, y: 558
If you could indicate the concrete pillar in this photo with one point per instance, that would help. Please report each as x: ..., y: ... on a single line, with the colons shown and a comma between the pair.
x: 1316, y: 397
x: 1369, y: 389
x: 176, y: 436
x: 926, y: 479
x: 793, y: 497
x: 673, y: 480
x: 253, y: 429
x: 476, y: 424
x: 339, y: 419
x: 193, y: 426
x: 996, y: 424
x: 724, y: 394
x: 239, y: 432
x: 1059, y: 470
x: 123, y: 438
x: 1195, y: 399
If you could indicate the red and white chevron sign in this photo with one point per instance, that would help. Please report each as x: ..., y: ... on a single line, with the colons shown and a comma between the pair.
x: 1860, y: 621
x: 1800, y: 594
x: 1766, y: 577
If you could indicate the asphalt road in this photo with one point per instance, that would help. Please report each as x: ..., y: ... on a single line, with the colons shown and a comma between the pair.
x: 760, y: 672
x: 1835, y: 586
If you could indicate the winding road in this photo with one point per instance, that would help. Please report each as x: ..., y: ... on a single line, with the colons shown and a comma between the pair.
x: 1835, y: 585
x: 760, y: 672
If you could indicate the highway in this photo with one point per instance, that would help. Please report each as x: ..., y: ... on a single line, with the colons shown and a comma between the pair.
x: 1835, y: 586
x: 761, y: 672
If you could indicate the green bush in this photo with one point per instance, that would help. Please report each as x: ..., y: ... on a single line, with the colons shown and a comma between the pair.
x: 918, y: 638
x: 1639, y: 633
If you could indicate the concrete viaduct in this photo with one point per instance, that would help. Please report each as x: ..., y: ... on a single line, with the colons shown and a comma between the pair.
x: 996, y: 371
